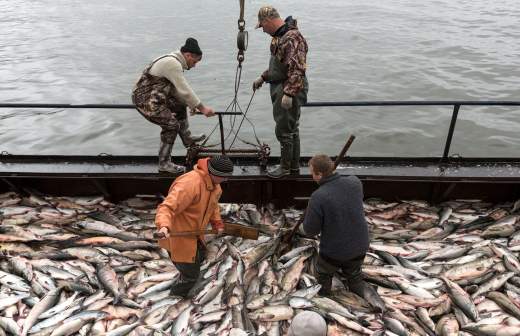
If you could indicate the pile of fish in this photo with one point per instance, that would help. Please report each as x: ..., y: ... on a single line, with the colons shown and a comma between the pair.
x: 83, y: 265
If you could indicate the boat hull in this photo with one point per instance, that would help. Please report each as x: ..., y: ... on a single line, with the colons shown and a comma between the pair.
x: 119, y: 177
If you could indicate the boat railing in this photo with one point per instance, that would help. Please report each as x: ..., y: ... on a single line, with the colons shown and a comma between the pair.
x: 454, y: 116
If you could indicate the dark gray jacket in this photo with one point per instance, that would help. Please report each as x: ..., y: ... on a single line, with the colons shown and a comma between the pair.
x: 336, y: 211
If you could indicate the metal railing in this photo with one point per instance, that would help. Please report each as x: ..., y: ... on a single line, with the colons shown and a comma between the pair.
x: 456, y: 107
x: 117, y: 107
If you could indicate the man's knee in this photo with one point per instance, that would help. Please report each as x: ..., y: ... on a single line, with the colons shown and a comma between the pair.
x: 169, y: 132
x: 183, y: 127
x: 324, y: 268
x: 284, y: 137
x: 168, y: 137
x: 352, y: 273
x: 352, y: 268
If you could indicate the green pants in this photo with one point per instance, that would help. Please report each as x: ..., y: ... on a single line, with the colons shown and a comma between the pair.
x: 287, y: 121
x: 287, y: 129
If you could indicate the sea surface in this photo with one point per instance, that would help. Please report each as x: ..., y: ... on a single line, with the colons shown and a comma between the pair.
x: 92, y: 52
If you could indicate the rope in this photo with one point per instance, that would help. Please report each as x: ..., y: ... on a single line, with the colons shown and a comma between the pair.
x: 244, y: 117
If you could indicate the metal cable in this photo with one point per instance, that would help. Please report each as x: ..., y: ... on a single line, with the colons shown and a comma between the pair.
x: 234, y: 105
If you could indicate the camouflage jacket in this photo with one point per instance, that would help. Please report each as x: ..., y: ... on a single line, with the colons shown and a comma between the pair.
x: 290, y: 47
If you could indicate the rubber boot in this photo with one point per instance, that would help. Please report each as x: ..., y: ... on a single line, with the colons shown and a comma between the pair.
x: 165, y: 162
x: 187, y: 138
x: 284, y: 168
x: 191, y: 140
x: 325, y: 280
x: 181, y: 288
x: 295, y: 160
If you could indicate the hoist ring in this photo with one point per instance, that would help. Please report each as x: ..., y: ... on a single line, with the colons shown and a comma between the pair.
x: 241, y: 24
x: 242, y: 40
x: 240, y: 58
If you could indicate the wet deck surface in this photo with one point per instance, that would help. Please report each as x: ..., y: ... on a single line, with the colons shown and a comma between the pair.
x: 366, y: 168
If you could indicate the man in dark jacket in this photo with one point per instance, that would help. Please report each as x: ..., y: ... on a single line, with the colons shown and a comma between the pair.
x: 288, y: 84
x: 336, y: 211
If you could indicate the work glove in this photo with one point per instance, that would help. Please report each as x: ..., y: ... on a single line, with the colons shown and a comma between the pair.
x: 218, y: 225
x: 258, y: 83
x: 286, y: 102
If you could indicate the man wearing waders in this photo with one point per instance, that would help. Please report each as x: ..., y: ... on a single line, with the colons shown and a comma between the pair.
x: 288, y: 84
x: 162, y: 95
x: 336, y: 212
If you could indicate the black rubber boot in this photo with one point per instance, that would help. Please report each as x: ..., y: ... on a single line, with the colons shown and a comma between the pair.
x: 165, y: 162
x: 181, y: 288
x: 325, y: 280
x: 284, y: 168
x: 295, y: 160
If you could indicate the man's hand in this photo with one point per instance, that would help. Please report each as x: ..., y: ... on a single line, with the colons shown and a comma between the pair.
x: 207, y: 111
x: 258, y: 83
x: 218, y: 225
x: 165, y: 232
x: 286, y: 102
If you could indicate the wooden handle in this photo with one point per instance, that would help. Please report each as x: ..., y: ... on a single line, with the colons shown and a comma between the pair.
x: 344, y: 151
x: 231, y: 229
x: 160, y: 235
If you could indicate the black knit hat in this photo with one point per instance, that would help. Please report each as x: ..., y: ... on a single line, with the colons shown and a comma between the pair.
x: 191, y: 46
x: 220, y: 166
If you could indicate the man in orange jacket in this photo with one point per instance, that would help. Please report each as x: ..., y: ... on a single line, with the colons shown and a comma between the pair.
x: 191, y: 203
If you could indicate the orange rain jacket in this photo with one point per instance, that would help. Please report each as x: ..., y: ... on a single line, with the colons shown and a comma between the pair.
x: 191, y: 203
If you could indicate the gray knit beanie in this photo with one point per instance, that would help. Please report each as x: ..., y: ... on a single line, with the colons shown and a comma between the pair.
x: 220, y: 166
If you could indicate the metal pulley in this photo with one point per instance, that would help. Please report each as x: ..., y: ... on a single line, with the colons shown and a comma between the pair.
x: 242, y: 37
x: 242, y: 40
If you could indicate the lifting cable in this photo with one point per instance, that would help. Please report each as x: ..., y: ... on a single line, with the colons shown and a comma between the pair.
x: 234, y: 106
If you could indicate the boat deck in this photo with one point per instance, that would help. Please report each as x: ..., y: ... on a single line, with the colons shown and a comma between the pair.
x: 391, y: 178
x: 432, y: 179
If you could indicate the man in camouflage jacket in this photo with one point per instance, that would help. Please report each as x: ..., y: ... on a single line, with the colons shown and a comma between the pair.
x: 288, y: 84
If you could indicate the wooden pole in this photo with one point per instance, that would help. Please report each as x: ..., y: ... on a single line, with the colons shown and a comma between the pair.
x: 344, y: 151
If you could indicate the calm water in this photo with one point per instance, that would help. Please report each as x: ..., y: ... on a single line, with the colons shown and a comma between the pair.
x: 78, y: 52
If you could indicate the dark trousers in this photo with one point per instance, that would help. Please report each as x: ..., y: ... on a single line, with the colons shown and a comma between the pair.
x: 189, y: 273
x: 351, y: 270
x: 287, y: 130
